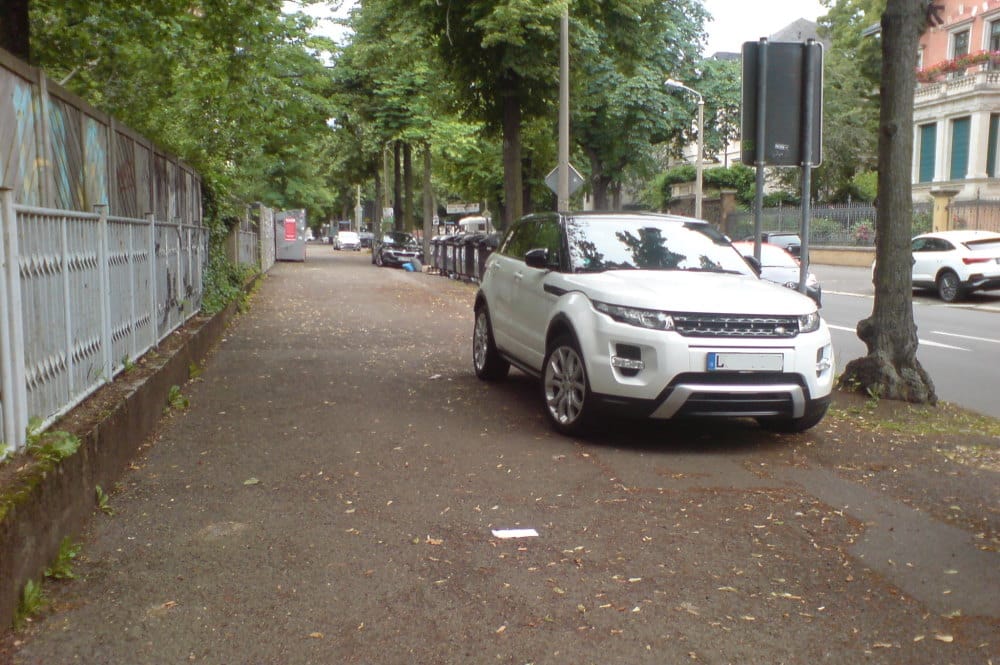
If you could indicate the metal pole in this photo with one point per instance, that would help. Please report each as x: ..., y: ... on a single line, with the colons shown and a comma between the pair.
x: 11, y: 364
x: 807, y: 160
x: 758, y: 198
x: 698, y: 193
x: 563, y: 184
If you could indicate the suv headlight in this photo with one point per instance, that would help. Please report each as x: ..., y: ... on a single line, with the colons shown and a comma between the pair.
x: 643, y: 318
x: 809, y: 322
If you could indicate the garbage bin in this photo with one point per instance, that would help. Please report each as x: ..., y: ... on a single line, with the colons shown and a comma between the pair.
x: 486, y: 245
x: 450, y: 251
x: 437, y: 260
x: 469, y: 242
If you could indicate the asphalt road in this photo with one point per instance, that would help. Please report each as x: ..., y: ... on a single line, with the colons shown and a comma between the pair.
x: 332, y: 492
x: 959, y: 343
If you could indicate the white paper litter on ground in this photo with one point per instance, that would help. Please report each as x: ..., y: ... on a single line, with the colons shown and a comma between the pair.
x: 515, y: 533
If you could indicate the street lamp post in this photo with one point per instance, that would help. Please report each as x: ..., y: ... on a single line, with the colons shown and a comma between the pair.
x: 699, y: 159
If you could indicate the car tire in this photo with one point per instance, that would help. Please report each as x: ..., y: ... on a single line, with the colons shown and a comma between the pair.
x: 565, y: 387
x: 812, y: 417
x: 486, y: 360
x: 949, y: 287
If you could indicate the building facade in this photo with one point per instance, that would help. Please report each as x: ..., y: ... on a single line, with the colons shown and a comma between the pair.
x: 956, y: 109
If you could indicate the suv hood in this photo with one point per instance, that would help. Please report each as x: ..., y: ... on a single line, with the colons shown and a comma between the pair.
x: 679, y: 291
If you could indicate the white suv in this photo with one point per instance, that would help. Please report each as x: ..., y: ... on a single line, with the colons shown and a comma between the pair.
x: 651, y: 316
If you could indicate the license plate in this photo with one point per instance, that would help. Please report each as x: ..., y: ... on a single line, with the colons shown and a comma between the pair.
x: 745, y: 362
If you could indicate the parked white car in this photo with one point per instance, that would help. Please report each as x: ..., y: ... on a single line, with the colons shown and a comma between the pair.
x: 956, y: 263
x: 347, y: 240
x: 653, y: 316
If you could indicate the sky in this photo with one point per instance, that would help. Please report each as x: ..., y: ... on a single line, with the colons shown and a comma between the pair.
x: 734, y: 21
x: 738, y: 21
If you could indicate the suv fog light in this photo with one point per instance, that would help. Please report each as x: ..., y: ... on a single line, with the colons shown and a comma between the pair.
x: 627, y: 363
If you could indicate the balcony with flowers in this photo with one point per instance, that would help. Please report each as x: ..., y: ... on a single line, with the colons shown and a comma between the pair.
x: 972, y: 73
x: 958, y: 67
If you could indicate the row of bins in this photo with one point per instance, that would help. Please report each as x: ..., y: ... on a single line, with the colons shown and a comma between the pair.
x: 462, y: 256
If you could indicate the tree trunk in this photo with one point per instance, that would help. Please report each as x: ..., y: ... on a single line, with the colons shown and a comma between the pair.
x: 598, y: 181
x: 15, y: 28
x: 376, y: 227
x: 513, y: 208
x: 397, y: 187
x: 428, y: 204
x: 407, y: 187
x: 891, y: 369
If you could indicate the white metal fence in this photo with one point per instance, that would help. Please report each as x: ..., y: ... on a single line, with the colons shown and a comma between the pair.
x: 82, y: 295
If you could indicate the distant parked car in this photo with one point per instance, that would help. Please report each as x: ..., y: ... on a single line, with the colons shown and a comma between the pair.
x: 790, y: 242
x: 396, y: 249
x: 956, y: 263
x: 779, y: 266
x: 366, y: 239
x: 347, y: 240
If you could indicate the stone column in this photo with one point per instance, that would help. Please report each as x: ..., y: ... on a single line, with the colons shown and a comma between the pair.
x: 942, y: 198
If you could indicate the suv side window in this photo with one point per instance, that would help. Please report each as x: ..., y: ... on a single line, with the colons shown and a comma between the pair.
x: 521, y: 239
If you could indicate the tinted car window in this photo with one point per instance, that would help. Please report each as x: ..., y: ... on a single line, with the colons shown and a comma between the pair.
x: 598, y: 244
x: 520, y: 240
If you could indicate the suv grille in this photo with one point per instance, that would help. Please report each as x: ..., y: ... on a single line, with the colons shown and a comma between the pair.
x: 735, y: 325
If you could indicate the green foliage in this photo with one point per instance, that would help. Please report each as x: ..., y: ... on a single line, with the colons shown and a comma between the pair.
x: 864, y: 186
x: 923, y: 221
x: 176, y: 399
x: 102, y: 501
x: 31, y: 603
x: 234, y: 89
x: 774, y: 199
x: 823, y: 230
x: 224, y: 281
x: 49, y: 446
x: 738, y: 177
x: 62, y: 567
x: 194, y: 370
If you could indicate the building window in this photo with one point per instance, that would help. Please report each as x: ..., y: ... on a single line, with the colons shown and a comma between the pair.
x: 920, y: 58
x: 991, y: 147
x: 959, y: 148
x: 960, y: 44
x: 928, y: 146
x: 993, y: 34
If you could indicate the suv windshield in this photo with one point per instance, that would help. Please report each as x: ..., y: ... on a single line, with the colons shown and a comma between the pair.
x: 597, y: 244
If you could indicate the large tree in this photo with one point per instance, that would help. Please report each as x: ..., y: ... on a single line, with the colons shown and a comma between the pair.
x: 891, y: 368
x: 501, y: 56
x: 623, y: 53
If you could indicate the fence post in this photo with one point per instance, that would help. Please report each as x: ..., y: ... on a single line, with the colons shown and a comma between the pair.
x: 15, y: 394
x: 67, y: 303
x: 103, y: 266
x: 153, y: 324
x: 178, y: 278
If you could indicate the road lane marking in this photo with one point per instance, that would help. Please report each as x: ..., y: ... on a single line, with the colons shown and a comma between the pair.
x: 976, y: 339
x: 848, y: 293
x: 924, y: 342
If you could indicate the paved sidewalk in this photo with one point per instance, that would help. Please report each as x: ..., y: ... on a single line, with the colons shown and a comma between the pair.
x: 330, y: 495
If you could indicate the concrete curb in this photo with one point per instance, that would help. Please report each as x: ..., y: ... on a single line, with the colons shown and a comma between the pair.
x: 48, y: 502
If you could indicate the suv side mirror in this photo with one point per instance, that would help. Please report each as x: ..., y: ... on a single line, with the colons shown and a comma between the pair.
x: 537, y: 258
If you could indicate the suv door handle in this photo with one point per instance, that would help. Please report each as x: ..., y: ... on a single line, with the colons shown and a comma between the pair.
x: 518, y: 276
